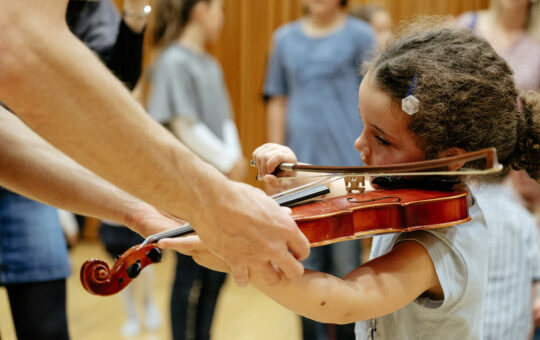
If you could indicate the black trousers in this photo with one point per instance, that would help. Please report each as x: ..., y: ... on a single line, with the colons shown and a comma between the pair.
x: 194, y: 296
x: 39, y: 310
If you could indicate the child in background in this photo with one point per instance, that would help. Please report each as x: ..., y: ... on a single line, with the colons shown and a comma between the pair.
x: 378, y: 18
x: 187, y: 93
x: 513, y: 29
x: 424, y: 284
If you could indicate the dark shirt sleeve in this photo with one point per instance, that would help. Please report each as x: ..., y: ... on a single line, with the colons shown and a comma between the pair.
x: 126, y: 55
x: 99, y: 26
x: 275, y: 83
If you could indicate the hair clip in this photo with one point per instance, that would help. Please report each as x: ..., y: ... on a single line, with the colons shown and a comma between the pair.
x: 411, y: 104
x: 519, y: 105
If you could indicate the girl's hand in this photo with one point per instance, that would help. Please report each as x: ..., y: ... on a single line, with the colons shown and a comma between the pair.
x: 192, y: 246
x: 267, y: 157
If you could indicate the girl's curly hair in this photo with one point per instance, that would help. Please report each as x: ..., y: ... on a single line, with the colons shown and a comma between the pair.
x: 467, y: 95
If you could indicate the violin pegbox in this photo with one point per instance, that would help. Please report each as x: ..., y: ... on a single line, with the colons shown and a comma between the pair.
x: 355, y: 184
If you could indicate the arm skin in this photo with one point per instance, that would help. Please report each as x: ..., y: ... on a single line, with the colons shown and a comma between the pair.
x: 62, y: 92
x: 276, y: 119
x: 41, y: 172
x: 378, y: 287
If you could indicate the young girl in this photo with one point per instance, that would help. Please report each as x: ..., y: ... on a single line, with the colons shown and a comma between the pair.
x: 188, y: 95
x: 423, y: 284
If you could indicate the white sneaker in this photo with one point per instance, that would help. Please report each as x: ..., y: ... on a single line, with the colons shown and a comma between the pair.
x: 153, y: 317
x: 131, y: 328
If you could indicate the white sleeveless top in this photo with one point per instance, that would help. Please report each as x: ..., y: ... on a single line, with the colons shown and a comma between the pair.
x: 459, y: 255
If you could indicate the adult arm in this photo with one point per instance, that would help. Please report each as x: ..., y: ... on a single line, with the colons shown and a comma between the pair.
x: 32, y: 167
x: 62, y: 91
x: 276, y: 90
x: 276, y: 119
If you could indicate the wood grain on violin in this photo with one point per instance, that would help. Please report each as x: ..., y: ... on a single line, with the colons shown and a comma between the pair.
x: 379, y: 212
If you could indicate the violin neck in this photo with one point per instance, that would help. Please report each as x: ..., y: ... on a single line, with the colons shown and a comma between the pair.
x: 186, y: 229
x: 302, y: 195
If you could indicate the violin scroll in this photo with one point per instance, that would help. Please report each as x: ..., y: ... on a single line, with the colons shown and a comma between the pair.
x: 97, y: 278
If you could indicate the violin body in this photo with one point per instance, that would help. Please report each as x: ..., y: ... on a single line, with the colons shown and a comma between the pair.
x: 323, y: 221
x: 379, y: 211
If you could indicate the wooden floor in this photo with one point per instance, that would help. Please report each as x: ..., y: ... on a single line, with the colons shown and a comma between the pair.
x: 242, y: 313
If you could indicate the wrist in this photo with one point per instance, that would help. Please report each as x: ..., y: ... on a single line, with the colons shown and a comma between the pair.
x: 133, y: 215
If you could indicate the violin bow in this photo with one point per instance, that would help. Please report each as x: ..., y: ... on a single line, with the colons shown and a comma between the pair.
x: 409, y: 169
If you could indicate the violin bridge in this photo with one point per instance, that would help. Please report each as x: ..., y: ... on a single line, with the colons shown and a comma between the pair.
x: 355, y: 184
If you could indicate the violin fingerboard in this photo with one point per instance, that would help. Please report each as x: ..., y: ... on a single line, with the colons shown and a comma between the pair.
x: 302, y: 195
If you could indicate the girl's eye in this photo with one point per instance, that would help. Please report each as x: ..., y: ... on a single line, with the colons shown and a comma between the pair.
x: 381, y: 141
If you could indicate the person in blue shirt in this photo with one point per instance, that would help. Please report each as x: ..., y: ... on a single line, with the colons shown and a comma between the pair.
x: 311, y: 87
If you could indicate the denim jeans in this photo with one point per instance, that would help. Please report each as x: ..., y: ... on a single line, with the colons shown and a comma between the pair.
x: 32, y: 244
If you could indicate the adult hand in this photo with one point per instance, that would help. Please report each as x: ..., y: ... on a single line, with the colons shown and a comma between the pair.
x: 251, y: 232
x: 135, y: 14
x: 193, y: 246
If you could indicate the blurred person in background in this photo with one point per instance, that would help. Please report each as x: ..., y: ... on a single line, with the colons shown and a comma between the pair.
x: 312, y: 106
x: 512, y: 27
x: 378, y: 18
x: 184, y: 90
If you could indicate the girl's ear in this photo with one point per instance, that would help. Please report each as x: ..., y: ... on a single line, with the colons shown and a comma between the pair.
x: 455, y: 151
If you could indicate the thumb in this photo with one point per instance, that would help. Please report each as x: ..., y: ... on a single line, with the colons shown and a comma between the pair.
x: 187, y: 245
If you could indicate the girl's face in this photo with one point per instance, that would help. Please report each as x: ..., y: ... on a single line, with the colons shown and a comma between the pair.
x: 315, y: 7
x: 213, y: 19
x: 386, y: 138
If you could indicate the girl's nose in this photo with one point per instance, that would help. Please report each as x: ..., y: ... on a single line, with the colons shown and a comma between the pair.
x: 361, y: 146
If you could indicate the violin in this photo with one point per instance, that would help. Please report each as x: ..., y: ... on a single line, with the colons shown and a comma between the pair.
x: 357, y: 214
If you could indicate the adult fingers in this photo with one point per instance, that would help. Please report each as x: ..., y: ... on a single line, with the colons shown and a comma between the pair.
x: 240, y: 275
x: 187, y: 245
x: 289, y: 266
x: 298, y: 244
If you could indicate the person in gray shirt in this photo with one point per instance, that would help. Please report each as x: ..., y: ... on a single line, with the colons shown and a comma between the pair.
x: 187, y: 93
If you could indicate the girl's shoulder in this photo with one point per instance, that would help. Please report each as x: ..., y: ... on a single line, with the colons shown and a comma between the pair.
x: 358, y: 25
x: 174, y: 53
x: 176, y: 57
x: 360, y: 32
x: 288, y: 31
